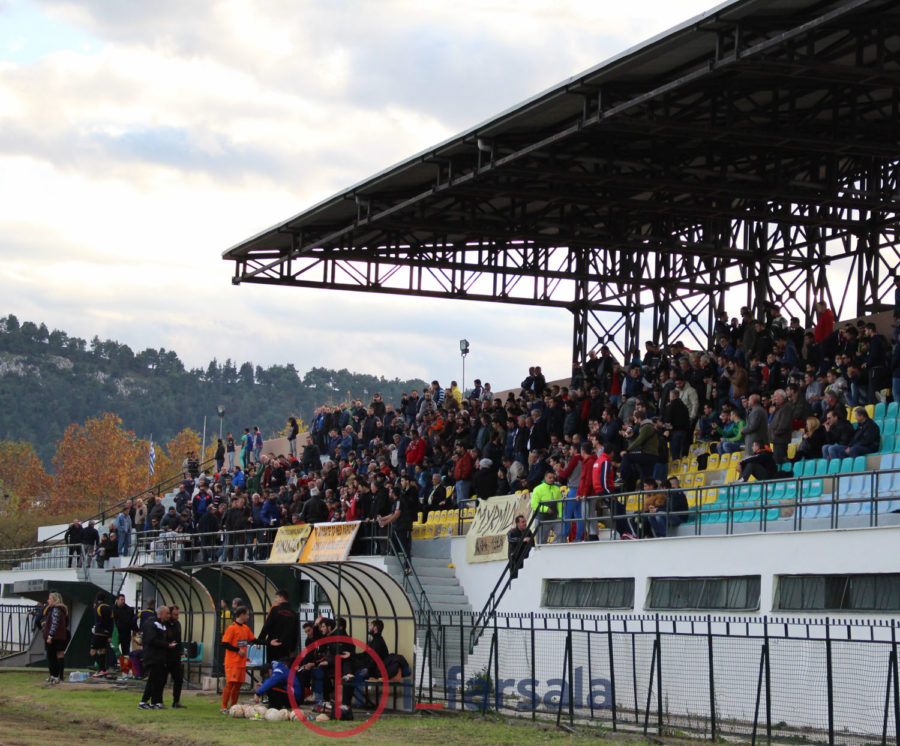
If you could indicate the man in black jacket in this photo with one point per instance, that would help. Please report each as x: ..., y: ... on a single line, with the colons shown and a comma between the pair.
x: 761, y: 464
x: 314, y: 510
x: 366, y: 666
x: 101, y: 631
x: 329, y: 654
x: 207, y: 527
x: 173, y: 655
x: 123, y: 616
x: 156, y: 647
x: 90, y: 540
x: 866, y: 439
x: 279, y: 632
x: 73, y: 541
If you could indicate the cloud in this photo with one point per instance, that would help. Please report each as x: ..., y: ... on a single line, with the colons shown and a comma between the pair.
x: 139, y: 140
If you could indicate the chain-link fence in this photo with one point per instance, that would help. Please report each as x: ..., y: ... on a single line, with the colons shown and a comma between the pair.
x: 816, y: 680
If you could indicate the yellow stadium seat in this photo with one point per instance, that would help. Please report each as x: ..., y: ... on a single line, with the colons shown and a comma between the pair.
x: 713, y: 462
x: 633, y: 503
x: 449, y: 491
x: 736, y: 458
x: 429, y: 531
x: 699, y: 480
x: 870, y: 410
x: 792, y: 449
x: 688, y: 480
x: 695, y: 466
x: 850, y: 413
x: 693, y: 497
x: 710, y: 496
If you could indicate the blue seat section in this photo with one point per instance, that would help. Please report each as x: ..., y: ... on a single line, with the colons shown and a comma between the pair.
x: 890, y: 427
x: 857, y: 485
x: 889, y: 484
x: 880, y: 410
x: 893, y: 410
x: 813, y: 489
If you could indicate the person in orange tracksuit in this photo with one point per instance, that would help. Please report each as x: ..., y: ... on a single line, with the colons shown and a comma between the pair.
x: 235, y: 641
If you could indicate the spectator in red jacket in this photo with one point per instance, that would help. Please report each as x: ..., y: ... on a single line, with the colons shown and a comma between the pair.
x: 825, y: 324
x: 415, y: 452
x: 463, y: 469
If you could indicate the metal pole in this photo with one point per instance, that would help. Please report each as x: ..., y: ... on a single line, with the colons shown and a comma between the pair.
x: 567, y: 658
x: 498, y: 693
x: 712, y: 680
x: 463, y: 389
x: 533, y: 706
x: 896, y: 682
x: 768, y: 683
x: 612, y: 669
x: 830, y: 681
x: 659, y: 696
x: 571, y: 687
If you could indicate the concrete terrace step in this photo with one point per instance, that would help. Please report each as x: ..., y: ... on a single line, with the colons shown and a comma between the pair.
x: 433, y: 561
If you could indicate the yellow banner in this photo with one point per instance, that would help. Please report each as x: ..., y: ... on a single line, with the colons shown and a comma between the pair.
x: 288, y: 543
x: 329, y: 542
x: 494, y: 518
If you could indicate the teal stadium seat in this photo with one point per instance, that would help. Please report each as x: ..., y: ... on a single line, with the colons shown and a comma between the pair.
x: 858, y: 486
x: 880, y: 410
x: 893, y: 410
x: 890, y: 427
x: 889, y: 483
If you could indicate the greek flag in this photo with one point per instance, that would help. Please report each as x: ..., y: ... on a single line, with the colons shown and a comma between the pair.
x: 152, y: 456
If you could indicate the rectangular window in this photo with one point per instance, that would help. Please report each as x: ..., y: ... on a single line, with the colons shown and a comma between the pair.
x: 589, y: 593
x: 862, y: 592
x: 708, y: 594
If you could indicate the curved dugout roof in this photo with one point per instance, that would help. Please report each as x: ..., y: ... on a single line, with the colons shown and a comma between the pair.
x: 254, y: 587
x: 360, y: 593
x: 191, y: 596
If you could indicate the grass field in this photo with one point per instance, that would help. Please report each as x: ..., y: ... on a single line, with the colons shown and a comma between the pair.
x: 31, y: 712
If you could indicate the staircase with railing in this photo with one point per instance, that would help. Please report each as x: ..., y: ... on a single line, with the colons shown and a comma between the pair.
x: 483, y: 619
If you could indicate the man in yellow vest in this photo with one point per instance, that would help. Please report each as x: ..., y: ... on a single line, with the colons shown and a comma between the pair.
x: 545, y: 503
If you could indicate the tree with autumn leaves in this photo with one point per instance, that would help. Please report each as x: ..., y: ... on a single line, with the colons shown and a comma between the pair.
x: 97, y: 465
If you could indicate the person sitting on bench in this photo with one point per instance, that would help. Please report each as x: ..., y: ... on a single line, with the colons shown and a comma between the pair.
x: 366, y: 665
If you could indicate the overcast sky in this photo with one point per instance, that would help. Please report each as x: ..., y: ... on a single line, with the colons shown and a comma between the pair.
x: 139, y: 140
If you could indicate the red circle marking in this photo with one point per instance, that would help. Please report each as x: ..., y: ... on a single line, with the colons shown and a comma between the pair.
x: 365, y: 724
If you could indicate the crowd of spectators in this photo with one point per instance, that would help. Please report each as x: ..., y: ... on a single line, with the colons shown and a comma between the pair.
x: 764, y: 378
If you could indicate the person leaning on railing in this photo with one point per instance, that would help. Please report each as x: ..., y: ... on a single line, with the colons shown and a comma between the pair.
x: 545, y: 502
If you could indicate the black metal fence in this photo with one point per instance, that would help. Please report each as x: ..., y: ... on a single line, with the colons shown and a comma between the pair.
x: 815, y: 680
x: 17, y: 627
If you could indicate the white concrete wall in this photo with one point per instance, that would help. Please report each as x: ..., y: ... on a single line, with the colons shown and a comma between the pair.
x: 814, y: 552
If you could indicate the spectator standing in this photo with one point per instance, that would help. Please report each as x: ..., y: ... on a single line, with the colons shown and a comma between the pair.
x: 55, y: 631
x: 229, y: 451
x: 757, y: 427
x: 781, y: 426
x: 123, y: 531
x: 72, y: 537
x: 155, y: 646
x: 292, y: 436
x: 257, y: 445
x: 174, y: 651
x: 123, y: 617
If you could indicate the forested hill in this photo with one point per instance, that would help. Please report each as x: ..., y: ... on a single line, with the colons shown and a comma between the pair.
x: 49, y: 380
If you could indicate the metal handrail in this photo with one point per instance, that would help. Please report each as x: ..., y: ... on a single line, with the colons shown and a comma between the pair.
x: 41, y: 557
x: 496, y: 595
x: 411, y: 578
x: 155, y: 489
